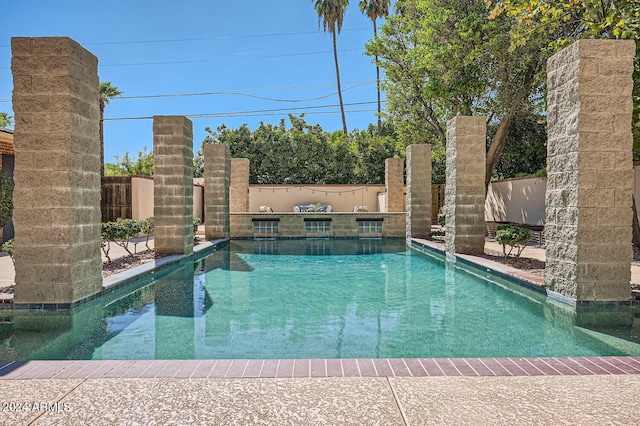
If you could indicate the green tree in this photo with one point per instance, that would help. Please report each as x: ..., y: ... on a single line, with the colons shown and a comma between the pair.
x: 564, y: 21
x: 107, y: 92
x: 5, y: 119
x: 375, y: 9
x: 330, y: 16
x: 525, y: 151
x: 372, y: 150
x: 306, y: 154
x: 126, y: 166
x: 446, y: 57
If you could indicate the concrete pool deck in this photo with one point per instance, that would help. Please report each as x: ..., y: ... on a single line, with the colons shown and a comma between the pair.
x: 584, y: 391
x: 191, y: 392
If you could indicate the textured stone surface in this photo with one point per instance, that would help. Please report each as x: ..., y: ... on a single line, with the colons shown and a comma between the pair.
x: 418, y: 191
x: 342, y: 224
x: 465, y: 191
x: 173, y: 184
x: 582, y: 400
x: 239, y: 190
x: 590, y: 170
x: 57, y: 170
x: 394, y: 183
x: 217, y: 179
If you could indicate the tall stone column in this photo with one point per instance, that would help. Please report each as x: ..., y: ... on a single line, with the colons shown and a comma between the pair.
x: 418, y: 191
x: 465, y: 192
x: 57, y: 171
x: 590, y: 170
x: 394, y: 183
x: 173, y: 184
x: 217, y: 165
x: 239, y: 191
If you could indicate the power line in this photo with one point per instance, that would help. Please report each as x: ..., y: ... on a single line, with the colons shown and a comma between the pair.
x: 199, y: 61
x: 252, y: 112
x: 243, y: 93
x: 182, y: 40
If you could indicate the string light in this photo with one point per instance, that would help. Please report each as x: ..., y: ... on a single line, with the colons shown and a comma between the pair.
x: 313, y: 190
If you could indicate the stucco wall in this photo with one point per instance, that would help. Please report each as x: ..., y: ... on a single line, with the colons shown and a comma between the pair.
x: 142, y: 197
x: 519, y: 200
x: 343, y: 198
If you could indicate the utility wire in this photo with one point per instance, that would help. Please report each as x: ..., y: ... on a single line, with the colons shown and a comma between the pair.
x: 242, y: 113
x: 243, y: 93
x: 181, y: 40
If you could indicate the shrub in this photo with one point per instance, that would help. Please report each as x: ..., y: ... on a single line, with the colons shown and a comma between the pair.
x: 513, y: 236
x: 6, y: 199
x: 146, y: 227
x: 9, y: 248
x: 196, y: 223
x: 120, y: 232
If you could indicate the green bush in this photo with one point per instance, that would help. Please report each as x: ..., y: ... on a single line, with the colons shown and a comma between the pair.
x: 196, y: 223
x: 6, y: 199
x: 147, y: 227
x: 9, y: 247
x: 513, y: 236
x: 119, y: 232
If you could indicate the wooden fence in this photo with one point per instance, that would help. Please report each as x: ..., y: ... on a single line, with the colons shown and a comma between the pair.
x: 116, y: 198
x: 437, y: 202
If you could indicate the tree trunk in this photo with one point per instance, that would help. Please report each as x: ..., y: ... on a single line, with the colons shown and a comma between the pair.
x: 375, y: 36
x: 636, y: 225
x: 335, y: 57
x: 498, y: 142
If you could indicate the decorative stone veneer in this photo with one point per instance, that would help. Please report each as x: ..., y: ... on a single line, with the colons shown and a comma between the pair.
x: 217, y: 165
x: 589, y: 166
x: 57, y: 171
x: 418, y: 191
x: 464, y: 193
x: 394, y: 183
x: 173, y: 184
x: 239, y: 190
x: 292, y: 225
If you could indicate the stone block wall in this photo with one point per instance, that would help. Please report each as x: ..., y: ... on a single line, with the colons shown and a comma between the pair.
x: 418, y: 191
x: 217, y: 177
x: 590, y: 170
x: 343, y: 225
x: 57, y: 171
x: 465, y: 192
x: 239, y: 190
x: 394, y: 183
x: 173, y: 184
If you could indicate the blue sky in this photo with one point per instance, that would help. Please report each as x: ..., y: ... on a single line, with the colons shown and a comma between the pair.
x: 270, y: 49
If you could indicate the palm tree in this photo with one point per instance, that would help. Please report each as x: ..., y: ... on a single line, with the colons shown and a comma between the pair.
x: 375, y: 9
x: 107, y: 92
x: 330, y: 15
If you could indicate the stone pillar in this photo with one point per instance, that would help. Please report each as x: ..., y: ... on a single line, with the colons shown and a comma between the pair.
x: 57, y: 171
x: 173, y: 184
x: 217, y: 165
x: 394, y: 183
x: 590, y: 170
x: 465, y: 192
x: 239, y: 190
x: 418, y: 191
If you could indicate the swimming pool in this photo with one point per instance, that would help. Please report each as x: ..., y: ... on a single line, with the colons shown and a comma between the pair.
x: 318, y: 298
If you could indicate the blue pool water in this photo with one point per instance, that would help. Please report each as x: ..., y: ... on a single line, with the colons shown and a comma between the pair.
x: 318, y: 299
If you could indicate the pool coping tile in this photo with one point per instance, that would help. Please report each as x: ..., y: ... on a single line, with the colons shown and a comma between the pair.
x: 320, y: 368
